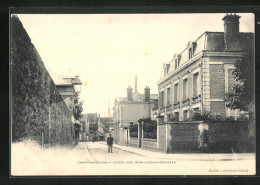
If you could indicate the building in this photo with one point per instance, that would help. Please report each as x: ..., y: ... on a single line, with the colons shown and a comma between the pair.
x: 199, y: 77
x: 67, y: 87
x: 130, y: 109
x: 93, y: 126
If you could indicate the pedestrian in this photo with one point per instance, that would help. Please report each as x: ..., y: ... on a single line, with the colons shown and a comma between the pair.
x: 93, y: 139
x: 110, y: 143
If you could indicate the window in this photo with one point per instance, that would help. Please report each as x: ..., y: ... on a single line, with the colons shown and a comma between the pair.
x: 166, y: 69
x: 196, y: 84
x: 168, y: 96
x: 185, y: 88
x: 91, y: 128
x: 176, y: 97
x: 190, y: 53
x: 185, y: 115
x: 162, y: 98
x: 176, y: 115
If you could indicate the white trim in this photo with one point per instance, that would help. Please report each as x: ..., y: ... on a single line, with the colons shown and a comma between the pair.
x: 176, y: 110
x: 216, y: 99
x: 184, y: 77
x: 180, y: 68
x: 196, y: 57
x: 197, y: 105
x: 227, y: 67
x: 185, y: 107
x: 196, y: 70
x: 217, y: 63
x: 176, y: 81
x: 162, y: 89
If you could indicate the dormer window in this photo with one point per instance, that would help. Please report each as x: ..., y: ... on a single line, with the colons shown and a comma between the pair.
x: 176, y: 60
x: 166, y: 69
x: 190, y: 53
x: 176, y: 63
x: 191, y: 47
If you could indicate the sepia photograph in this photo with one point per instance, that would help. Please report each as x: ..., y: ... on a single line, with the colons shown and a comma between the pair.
x: 132, y: 94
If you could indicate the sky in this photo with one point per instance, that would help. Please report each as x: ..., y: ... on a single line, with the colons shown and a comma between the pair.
x: 106, y: 51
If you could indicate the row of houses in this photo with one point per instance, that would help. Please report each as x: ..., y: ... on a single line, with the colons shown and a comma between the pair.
x: 195, y: 80
x: 94, y: 127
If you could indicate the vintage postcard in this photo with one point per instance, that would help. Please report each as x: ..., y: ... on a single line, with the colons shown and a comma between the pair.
x: 132, y: 94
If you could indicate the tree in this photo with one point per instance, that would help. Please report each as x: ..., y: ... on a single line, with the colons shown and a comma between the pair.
x: 244, y: 92
x: 77, y: 110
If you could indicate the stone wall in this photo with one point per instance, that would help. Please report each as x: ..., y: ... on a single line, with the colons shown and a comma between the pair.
x: 228, y: 137
x: 133, y: 142
x: 224, y: 137
x: 184, y: 137
x: 31, y: 89
x: 162, y: 137
x: 149, y: 143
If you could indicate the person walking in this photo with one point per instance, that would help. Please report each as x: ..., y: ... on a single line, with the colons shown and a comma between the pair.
x: 110, y: 143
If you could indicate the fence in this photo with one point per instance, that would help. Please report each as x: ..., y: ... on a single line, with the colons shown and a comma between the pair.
x: 196, y: 136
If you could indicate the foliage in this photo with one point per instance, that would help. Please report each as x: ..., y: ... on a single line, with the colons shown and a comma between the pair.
x: 172, y: 117
x: 77, y: 110
x: 133, y: 129
x: 149, y: 128
x: 208, y: 117
x: 244, y: 88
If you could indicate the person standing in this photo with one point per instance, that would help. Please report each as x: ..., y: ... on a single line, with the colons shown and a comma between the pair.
x: 110, y: 143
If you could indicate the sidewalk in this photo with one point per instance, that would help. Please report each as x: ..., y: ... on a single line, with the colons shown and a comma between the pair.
x: 83, y: 146
x: 186, y: 157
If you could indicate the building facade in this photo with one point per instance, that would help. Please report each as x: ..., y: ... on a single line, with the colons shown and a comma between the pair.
x: 199, y: 78
x: 130, y: 109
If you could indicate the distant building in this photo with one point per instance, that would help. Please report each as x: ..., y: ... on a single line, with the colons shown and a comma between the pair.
x: 132, y: 108
x: 94, y: 126
x: 199, y: 77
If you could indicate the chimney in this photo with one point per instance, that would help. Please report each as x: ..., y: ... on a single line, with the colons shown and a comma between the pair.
x: 129, y: 93
x: 231, y: 31
x: 147, y: 94
x: 231, y: 25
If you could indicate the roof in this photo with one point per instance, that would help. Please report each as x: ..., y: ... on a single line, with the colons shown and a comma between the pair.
x: 76, y: 81
x: 214, y: 42
x: 58, y: 80
x: 70, y: 93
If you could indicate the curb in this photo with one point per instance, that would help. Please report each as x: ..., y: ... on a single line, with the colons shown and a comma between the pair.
x: 183, y: 159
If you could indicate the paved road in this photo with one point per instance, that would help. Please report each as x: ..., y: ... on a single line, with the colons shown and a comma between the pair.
x: 99, y: 151
x: 89, y: 158
x: 128, y: 160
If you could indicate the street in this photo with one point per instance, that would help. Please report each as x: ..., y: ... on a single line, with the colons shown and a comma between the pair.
x: 89, y: 158
x: 99, y: 151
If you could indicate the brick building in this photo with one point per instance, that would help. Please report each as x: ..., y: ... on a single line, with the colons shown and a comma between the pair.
x: 199, y: 77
